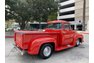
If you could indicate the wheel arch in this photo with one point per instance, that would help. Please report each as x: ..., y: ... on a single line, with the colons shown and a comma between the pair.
x: 51, y: 43
x: 37, y: 44
x: 78, y: 37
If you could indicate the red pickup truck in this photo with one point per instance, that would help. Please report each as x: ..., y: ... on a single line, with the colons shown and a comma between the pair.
x: 57, y: 36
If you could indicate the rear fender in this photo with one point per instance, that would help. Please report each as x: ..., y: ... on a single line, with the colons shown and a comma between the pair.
x: 36, y: 44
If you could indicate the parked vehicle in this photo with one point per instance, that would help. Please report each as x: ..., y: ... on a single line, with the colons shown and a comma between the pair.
x: 9, y: 29
x: 16, y: 26
x: 34, y: 26
x: 38, y: 25
x: 13, y: 27
x: 56, y: 37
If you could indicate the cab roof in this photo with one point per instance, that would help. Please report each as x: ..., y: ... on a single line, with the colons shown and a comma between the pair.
x: 58, y: 21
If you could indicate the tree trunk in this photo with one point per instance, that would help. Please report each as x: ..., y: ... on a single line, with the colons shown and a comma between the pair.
x: 22, y: 25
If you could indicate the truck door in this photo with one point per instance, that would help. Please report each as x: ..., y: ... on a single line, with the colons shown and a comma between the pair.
x: 67, y: 34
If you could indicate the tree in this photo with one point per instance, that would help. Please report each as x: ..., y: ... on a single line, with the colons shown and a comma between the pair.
x: 25, y: 10
x: 52, y: 16
x: 18, y: 10
x: 41, y: 9
x: 8, y: 12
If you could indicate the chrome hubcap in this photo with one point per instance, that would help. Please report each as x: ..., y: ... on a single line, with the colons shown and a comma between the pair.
x: 47, y: 51
x: 78, y: 43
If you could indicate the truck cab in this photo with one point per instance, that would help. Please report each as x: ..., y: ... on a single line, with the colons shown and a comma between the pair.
x: 57, y: 36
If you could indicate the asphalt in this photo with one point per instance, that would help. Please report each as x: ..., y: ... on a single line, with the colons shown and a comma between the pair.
x: 74, y: 55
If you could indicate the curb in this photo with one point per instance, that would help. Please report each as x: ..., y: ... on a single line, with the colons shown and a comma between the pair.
x: 9, y: 36
x: 85, y: 32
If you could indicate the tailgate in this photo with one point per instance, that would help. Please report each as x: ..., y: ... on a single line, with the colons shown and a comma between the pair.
x: 18, y: 40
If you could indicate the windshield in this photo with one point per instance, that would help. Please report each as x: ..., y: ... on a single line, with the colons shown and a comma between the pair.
x: 55, y: 26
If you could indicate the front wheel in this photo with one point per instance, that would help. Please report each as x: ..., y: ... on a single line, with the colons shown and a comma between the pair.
x: 46, y: 51
x: 78, y: 43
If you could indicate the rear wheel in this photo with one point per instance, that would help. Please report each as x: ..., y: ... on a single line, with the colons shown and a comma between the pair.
x: 46, y: 51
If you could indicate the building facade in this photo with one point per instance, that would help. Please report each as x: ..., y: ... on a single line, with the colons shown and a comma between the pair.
x: 82, y: 13
x: 74, y: 12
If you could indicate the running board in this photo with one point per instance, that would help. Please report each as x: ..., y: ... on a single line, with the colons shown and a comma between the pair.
x: 64, y: 47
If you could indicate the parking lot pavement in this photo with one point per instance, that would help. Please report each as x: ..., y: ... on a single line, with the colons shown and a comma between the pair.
x: 74, y: 55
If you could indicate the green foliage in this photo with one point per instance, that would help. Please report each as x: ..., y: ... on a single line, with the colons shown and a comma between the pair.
x: 41, y: 9
x: 18, y: 10
x: 52, y: 16
x: 26, y: 10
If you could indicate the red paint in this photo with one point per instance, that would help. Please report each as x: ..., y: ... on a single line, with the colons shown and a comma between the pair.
x: 31, y: 41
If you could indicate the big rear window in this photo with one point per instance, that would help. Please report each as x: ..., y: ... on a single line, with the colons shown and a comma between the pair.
x: 55, y: 26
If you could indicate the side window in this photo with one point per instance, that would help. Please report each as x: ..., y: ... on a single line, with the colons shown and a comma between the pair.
x: 67, y: 26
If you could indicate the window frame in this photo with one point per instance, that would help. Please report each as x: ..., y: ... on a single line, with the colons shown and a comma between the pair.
x: 57, y: 28
x: 69, y: 26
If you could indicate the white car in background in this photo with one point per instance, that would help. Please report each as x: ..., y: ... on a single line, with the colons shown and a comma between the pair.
x: 16, y: 26
x: 9, y: 29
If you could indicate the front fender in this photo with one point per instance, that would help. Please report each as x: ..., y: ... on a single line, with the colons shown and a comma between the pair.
x: 77, y: 36
x: 36, y: 44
